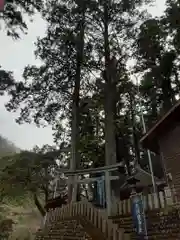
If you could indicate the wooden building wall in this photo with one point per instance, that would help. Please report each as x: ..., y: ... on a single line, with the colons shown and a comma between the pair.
x: 170, y: 150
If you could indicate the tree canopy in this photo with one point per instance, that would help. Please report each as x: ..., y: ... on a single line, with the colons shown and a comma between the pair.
x: 30, y: 172
x: 85, y: 87
x: 14, y: 16
x: 13, y: 22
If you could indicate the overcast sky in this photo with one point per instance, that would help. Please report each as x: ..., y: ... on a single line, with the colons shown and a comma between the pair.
x: 14, y: 55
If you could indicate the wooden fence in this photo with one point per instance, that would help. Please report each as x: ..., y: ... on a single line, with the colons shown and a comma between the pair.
x: 151, y: 201
x: 99, y: 217
x: 96, y: 217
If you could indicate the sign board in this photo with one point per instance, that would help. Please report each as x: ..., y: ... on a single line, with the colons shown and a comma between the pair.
x: 2, y: 5
x: 138, y: 215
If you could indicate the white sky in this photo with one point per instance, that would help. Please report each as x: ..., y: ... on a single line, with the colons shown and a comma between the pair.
x: 14, y: 56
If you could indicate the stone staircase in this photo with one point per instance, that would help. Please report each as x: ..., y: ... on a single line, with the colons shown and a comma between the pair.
x: 65, y: 230
x: 161, y: 224
x: 84, y: 222
x: 79, y: 221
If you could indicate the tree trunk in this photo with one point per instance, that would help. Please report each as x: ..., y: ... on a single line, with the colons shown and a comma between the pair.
x: 133, y: 122
x: 46, y: 186
x: 154, y: 108
x: 166, y: 94
x: 46, y: 193
x: 110, y: 141
x: 110, y: 144
x: 38, y: 205
x: 74, y: 162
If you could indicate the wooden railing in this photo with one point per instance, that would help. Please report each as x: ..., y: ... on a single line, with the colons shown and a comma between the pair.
x: 96, y: 217
x: 151, y: 201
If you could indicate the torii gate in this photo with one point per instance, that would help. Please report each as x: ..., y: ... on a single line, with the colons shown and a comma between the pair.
x: 73, y: 179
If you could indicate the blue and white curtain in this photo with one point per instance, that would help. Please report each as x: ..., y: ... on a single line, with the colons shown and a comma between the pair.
x: 101, y: 195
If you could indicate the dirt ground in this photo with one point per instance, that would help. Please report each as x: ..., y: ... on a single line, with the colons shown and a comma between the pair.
x: 26, y: 220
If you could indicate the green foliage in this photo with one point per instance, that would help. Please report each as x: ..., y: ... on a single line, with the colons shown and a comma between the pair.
x: 6, y: 81
x: 77, y: 71
x: 28, y: 174
x: 14, y: 15
x: 28, y: 170
x: 6, y: 228
x: 158, y: 57
x: 6, y: 147
x: 14, y: 22
x: 49, y: 97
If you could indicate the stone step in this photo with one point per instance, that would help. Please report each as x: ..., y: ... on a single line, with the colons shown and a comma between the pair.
x: 63, y: 238
x: 149, y: 213
x: 154, y: 218
x: 160, y: 225
x: 56, y: 237
x: 152, y: 225
x: 64, y: 230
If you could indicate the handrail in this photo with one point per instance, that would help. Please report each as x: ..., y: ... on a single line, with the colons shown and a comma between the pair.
x: 96, y: 217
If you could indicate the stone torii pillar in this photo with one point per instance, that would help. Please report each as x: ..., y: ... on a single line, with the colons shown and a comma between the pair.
x: 108, y: 192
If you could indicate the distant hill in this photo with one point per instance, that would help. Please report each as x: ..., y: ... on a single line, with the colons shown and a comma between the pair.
x: 7, y: 147
x: 22, y: 211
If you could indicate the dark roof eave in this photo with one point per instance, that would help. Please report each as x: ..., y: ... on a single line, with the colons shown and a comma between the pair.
x: 151, y: 134
x: 153, y: 147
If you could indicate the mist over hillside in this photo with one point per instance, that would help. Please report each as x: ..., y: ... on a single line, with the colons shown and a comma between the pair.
x: 7, y: 147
